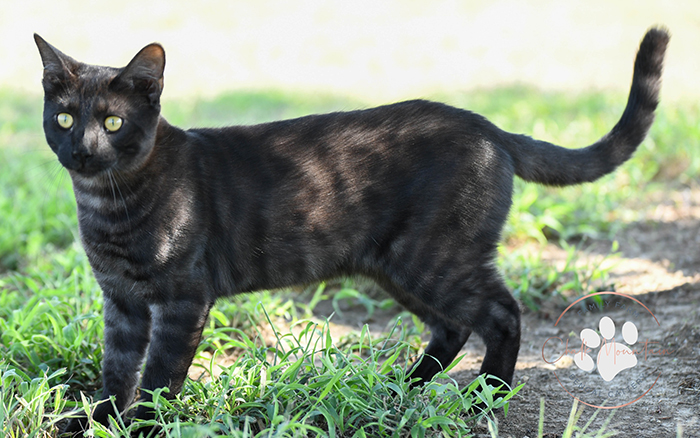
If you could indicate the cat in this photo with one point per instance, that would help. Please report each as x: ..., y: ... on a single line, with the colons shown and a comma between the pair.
x: 412, y: 195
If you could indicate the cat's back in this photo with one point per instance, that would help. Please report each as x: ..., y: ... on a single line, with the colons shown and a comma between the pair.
x: 387, y: 133
x: 405, y: 153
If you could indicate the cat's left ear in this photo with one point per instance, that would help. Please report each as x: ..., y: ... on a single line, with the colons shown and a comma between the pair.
x: 144, y: 74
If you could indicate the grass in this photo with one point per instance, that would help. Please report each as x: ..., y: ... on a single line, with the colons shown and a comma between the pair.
x: 298, y: 382
x: 572, y: 427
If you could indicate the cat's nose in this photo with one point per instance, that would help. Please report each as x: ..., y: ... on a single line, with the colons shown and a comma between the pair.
x: 81, y: 156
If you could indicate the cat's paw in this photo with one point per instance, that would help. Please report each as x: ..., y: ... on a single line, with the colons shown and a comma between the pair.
x: 75, y: 428
x: 613, y: 357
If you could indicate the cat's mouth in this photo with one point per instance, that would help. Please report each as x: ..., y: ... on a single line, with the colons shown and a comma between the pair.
x: 89, y: 165
x: 87, y: 172
x: 83, y: 164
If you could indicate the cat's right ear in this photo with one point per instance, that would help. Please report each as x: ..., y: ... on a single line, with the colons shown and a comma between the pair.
x: 58, y: 67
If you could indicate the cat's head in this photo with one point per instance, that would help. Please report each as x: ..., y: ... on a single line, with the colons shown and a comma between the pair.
x: 96, y: 118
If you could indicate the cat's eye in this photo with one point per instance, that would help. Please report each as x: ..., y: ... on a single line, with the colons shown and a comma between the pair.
x: 113, y: 123
x: 64, y: 120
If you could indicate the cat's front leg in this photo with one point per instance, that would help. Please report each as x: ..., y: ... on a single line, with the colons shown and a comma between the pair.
x: 175, y: 335
x: 126, y: 337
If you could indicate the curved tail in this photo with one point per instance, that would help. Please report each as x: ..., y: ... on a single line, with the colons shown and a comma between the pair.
x: 545, y: 163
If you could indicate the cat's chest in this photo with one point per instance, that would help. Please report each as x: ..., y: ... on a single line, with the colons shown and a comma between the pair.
x: 131, y: 243
x: 115, y: 244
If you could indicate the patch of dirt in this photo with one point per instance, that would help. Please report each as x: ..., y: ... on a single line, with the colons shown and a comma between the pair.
x: 669, y: 406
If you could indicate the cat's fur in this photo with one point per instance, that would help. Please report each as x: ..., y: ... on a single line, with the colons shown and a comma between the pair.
x: 412, y: 195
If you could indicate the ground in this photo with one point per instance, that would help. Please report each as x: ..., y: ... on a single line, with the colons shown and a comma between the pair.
x: 660, y: 266
x: 669, y: 406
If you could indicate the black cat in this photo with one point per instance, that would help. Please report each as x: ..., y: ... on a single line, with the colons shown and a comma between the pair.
x: 412, y: 195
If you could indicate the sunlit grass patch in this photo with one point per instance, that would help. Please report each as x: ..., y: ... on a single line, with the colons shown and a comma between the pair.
x: 306, y: 386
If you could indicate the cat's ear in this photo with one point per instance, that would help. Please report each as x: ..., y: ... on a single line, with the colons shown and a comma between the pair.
x: 144, y: 74
x: 58, y: 67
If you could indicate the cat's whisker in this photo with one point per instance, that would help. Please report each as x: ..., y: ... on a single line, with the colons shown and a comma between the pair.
x: 118, y: 176
x: 111, y: 186
x: 112, y: 177
x: 48, y: 162
x: 54, y: 178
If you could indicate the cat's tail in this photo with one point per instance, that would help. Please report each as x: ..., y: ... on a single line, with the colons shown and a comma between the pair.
x: 545, y: 163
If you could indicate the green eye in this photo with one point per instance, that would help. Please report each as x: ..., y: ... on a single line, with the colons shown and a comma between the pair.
x: 113, y: 123
x: 64, y: 120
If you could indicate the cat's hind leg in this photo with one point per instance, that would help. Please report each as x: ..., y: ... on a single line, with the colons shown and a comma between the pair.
x: 445, y: 343
x: 446, y: 337
x: 479, y: 303
x: 498, y: 324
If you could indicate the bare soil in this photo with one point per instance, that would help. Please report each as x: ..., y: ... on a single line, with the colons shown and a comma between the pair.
x: 669, y: 407
x: 660, y: 266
